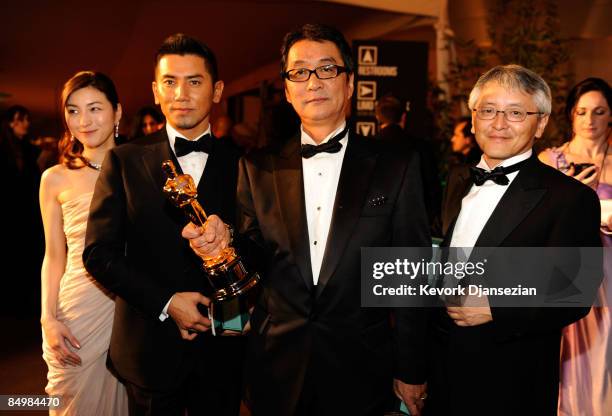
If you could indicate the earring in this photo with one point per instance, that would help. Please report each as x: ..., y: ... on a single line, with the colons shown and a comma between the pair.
x: 116, y: 130
x: 72, y: 139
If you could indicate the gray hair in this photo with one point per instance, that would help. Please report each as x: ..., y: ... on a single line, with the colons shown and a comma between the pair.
x: 515, y: 77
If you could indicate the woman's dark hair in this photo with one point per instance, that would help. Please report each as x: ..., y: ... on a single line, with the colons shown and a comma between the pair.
x: 71, y: 150
x: 8, y: 117
x: 16, y: 110
x: 136, y: 129
x: 584, y: 86
x: 9, y: 142
x: 317, y: 33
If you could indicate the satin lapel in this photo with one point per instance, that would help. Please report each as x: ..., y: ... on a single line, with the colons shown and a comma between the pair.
x: 155, y: 154
x: 152, y: 158
x: 289, y: 183
x: 210, y: 179
x: 353, y: 186
x: 519, y: 200
x: 453, y: 206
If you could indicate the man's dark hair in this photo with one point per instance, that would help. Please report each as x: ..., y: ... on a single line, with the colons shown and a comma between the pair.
x: 318, y: 33
x: 389, y: 109
x: 181, y: 44
x: 467, y: 129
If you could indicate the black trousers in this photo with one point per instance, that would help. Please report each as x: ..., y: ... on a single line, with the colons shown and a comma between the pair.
x: 211, y: 383
x: 313, y: 403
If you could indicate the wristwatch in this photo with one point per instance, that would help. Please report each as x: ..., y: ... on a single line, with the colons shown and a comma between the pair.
x: 231, y: 233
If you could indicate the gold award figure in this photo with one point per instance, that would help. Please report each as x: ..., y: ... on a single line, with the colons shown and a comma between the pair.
x: 226, y: 272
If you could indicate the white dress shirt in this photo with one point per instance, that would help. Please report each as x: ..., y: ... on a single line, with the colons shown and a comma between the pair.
x: 480, y: 202
x: 321, y: 174
x: 192, y: 164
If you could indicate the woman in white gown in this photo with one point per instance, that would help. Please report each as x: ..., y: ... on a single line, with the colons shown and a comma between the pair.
x: 77, y: 313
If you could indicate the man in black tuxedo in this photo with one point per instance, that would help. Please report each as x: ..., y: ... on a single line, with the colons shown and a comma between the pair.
x: 489, y: 360
x: 391, y: 116
x: 160, y: 345
x: 306, y: 209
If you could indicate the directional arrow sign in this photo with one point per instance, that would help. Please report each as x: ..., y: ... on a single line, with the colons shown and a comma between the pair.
x: 368, y: 55
x: 366, y: 128
x: 366, y: 90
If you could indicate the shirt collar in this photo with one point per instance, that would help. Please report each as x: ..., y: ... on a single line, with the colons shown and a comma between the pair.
x: 306, y: 139
x: 172, y: 134
x: 508, y: 162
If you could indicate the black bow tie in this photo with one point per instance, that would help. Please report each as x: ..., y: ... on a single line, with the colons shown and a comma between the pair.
x: 183, y: 147
x: 497, y: 175
x: 333, y: 145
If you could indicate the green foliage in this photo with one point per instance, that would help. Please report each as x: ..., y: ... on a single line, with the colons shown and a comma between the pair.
x: 524, y: 32
x: 527, y: 33
x: 451, y: 104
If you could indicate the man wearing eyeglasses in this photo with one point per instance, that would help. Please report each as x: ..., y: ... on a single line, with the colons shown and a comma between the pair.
x: 488, y: 360
x: 306, y: 209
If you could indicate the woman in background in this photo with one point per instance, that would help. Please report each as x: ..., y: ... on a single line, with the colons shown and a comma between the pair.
x: 586, y: 364
x: 146, y: 121
x: 77, y: 313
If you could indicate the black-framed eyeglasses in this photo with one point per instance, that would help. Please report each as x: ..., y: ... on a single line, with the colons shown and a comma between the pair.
x: 489, y: 113
x: 322, y: 72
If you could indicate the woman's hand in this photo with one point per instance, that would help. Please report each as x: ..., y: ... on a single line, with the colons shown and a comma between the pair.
x: 588, y: 176
x: 58, y: 336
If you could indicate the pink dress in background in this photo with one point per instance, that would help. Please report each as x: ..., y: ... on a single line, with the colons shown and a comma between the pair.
x: 585, y: 387
x: 87, y: 310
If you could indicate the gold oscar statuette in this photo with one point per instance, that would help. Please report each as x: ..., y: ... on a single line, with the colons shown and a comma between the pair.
x: 226, y: 272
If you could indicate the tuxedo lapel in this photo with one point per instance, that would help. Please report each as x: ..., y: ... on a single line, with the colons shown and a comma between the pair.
x: 454, y: 198
x: 211, y: 179
x: 289, y: 184
x: 157, y: 150
x: 155, y: 153
x: 519, y: 200
x: 353, y: 186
